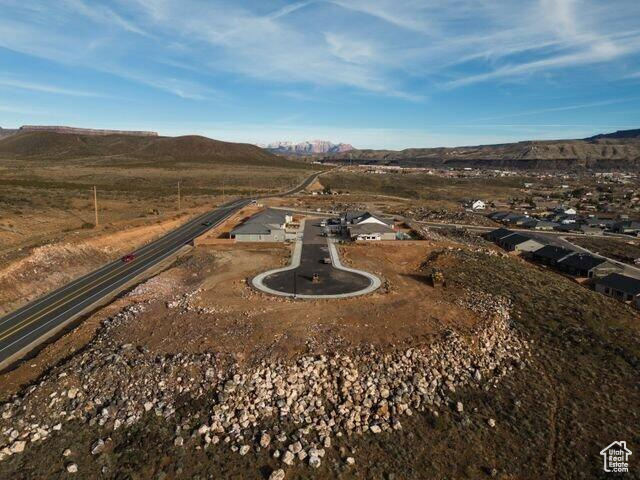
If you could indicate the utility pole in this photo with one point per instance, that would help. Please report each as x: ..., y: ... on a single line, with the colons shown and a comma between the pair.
x: 223, y: 197
x: 179, y: 196
x: 95, y: 203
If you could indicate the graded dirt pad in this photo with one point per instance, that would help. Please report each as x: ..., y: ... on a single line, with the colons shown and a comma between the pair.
x: 223, y: 313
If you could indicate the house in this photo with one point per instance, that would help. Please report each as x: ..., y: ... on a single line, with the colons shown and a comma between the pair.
x: 586, y: 265
x: 587, y: 230
x: 495, y: 235
x: 349, y: 217
x: 550, y: 255
x: 371, y: 218
x: 355, y: 218
x: 536, y: 224
x: 565, y: 210
x: 477, y: 205
x: 367, y: 226
x: 545, y: 225
x: 498, y: 216
x: 519, y: 243
x: 371, y: 231
x: 266, y: 226
x: 621, y: 287
x: 600, y: 222
x: 514, y: 218
x: 523, y: 220
x: 628, y: 227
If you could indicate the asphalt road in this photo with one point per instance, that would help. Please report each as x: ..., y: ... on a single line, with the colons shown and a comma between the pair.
x: 331, y: 280
x: 25, y: 327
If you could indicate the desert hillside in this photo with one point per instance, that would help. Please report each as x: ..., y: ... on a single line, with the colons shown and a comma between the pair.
x: 620, y: 150
x: 192, y: 148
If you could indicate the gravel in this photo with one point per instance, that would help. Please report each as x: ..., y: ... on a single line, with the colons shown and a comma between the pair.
x: 324, y: 396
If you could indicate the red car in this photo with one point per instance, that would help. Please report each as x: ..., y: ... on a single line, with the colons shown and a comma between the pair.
x: 128, y: 258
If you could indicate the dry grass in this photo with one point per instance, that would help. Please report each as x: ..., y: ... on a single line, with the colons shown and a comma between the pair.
x: 43, y: 201
x: 623, y: 250
x: 426, y: 188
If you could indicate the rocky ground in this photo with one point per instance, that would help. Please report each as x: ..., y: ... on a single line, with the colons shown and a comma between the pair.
x: 449, y: 216
x: 115, y: 385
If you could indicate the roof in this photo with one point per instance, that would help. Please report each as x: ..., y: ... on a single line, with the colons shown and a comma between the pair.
x: 500, y: 233
x: 366, y: 228
x: 531, y: 223
x: 622, y: 283
x: 513, y: 217
x: 352, y: 215
x: 262, y: 223
x: 517, y: 239
x: 582, y: 261
x: 627, y: 224
x: 367, y: 215
x: 546, y: 223
x: 599, y: 221
x: 552, y: 252
x: 498, y: 215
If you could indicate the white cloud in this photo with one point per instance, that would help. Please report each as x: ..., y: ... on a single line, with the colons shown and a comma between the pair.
x: 393, y: 48
x: 21, y: 110
x: 565, y: 108
x: 41, y: 87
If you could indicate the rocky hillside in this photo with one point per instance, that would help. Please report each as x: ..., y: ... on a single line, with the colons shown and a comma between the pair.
x: 64, y: 146
x: 83, y: 131
x: 620, y: 150
x: 6, y: 132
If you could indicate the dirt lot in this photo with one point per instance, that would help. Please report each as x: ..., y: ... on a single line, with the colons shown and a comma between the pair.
x: 204, y: 304
x: 623, y: 250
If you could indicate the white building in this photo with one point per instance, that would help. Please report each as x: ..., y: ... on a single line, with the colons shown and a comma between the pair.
x: 478, y: 205
x: 366, y: 226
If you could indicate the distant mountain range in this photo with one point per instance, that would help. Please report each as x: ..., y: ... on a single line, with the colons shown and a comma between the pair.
x: 307, y: 148
x: 611, y: 151
x: 81, y: 131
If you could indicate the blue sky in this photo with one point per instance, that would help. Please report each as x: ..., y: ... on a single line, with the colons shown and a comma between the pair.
x: 374, y: 73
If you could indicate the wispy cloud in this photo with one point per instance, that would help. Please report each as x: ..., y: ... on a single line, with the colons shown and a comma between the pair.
x: 45, y: 88
x: 389, y: 49
x: 21, y: 110
x: 564, y: 108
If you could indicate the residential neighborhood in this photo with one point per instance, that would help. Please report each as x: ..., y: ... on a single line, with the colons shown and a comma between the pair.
x: 273, y: 225
x: 603, y: 275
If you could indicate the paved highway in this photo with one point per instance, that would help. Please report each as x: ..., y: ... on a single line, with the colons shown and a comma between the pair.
x: 25, y: 328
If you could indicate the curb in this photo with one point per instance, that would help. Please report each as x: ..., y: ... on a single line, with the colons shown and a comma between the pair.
x: 258, y: 280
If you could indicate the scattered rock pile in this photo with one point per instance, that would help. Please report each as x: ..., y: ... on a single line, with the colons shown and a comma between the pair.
x: 448, y: 216
x: 184, y: 303
x: 324, y: 396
